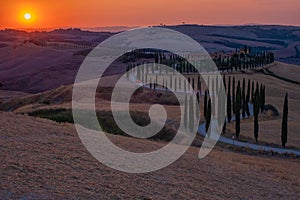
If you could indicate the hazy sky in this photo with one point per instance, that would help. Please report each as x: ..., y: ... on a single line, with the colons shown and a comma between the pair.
x: 95, y: 13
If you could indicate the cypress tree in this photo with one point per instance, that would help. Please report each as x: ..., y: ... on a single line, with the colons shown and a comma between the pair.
x: 221, y: 107
x: 198, y: 97
x: 197, y: 109
x: 262, y: 98
x: 284, y: 126
x: 193, y: 84
x: 185, y: 118
x: 191, y: 114
x: 252, y: 92
x: 166, y: 85
x: 258, y: 95
x: 224, y: 82
x: 212, y: 96
x: 244, y: 99
x: 199, y: 84
x: 205, y: 104
x: 208, y: 117
x: 229, y: 114
x: 224, y: 127
x: 248, y: 99
x: 237, y: 111
x: 256, y: 112
x: 208, y: 82
x: 233, y: 95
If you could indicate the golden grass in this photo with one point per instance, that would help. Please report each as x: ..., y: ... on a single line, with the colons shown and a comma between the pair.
x: 43, y: 159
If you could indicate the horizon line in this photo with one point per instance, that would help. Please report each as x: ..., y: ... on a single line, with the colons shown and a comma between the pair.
x: 124, y: 27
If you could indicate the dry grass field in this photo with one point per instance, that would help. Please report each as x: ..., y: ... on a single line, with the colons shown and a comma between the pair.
x: 42, y: 159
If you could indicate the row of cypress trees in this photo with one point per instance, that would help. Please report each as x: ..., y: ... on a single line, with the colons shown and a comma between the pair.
x: 239, y: 100
x: 235, y: 62
x: 177, y: 84
x: 242, y: 61
x: 237, y: 105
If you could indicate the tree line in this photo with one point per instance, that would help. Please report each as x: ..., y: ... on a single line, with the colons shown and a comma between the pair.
x: 239, y: 98
x: 246, y: 59
x: 240, y: 95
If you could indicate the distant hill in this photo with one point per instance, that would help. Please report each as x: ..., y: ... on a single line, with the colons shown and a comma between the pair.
x: 284, y: 41
x: 39, y: 61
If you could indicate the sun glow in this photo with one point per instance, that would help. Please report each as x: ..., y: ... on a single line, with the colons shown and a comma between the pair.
x: 27, y: 16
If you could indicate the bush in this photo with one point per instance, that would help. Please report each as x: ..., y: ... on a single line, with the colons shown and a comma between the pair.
x: 272, y: 109
x: 105, y: 119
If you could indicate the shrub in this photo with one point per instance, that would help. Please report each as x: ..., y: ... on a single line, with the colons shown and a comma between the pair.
x: 105, y: 119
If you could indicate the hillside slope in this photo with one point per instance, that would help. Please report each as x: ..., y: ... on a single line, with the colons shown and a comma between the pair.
x: 44, y: 160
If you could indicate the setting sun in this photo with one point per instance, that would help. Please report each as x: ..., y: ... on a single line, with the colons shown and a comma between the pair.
x: 27, y: 16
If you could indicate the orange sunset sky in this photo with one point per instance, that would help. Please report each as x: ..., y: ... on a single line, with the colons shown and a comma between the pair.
x: 98, y: 13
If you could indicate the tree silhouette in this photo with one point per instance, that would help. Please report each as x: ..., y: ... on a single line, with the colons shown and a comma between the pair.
x: 208, y: 117
x: 233, y: 95
x: 252, y: 92
x: 199, y: 84
x: 205, y: 104
x: 224, y: 127
x: 221, y: 107
x: 244, y: 99
x: 284, y: 126
x: 198, y: 97
x: 248, y: 99
x: 237, y: 111
x: 262, y: 97
x: 185, y: 118
x: 191, y: 114
x: 256, y: 112
x: 197, y: 108
x: 229, y: 113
